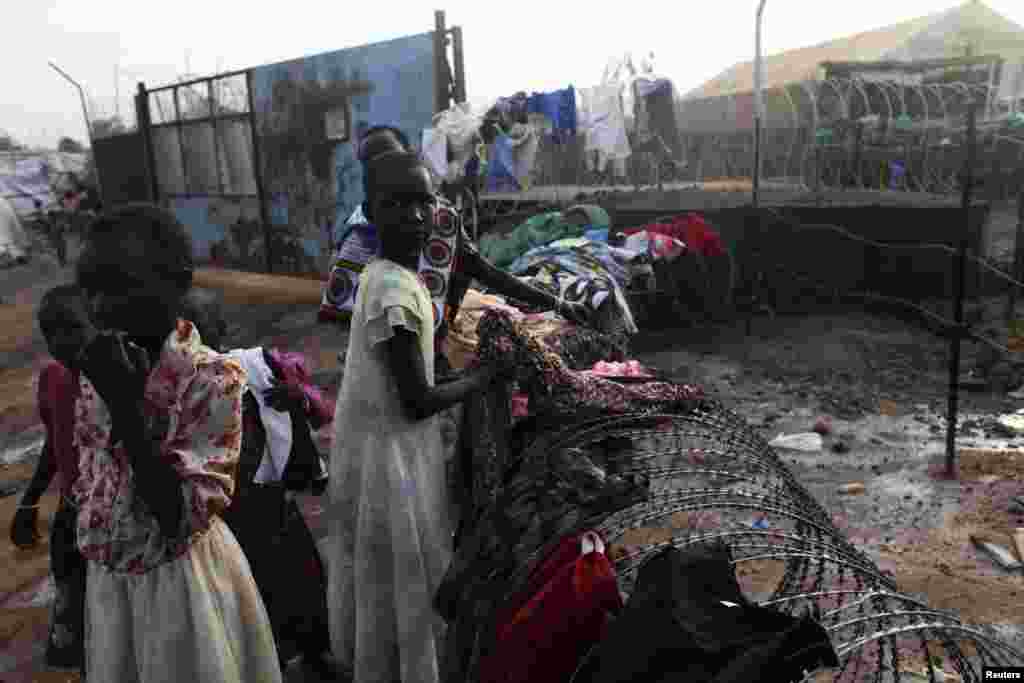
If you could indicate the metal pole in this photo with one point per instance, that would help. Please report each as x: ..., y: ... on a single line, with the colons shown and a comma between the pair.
x: 145, y: 123
x: 442, y: 90
x: 958, y: 294
x: 257, y: 170
x: 460, y: 65
x: 88, y: 122
x: 1018, y: 255
x: 758, y: 103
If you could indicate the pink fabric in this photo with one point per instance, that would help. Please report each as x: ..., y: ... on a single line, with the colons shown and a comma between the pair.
x: 692, y: 230
x: 193, y: 393
x: 292, y: 366
x: 630, y: 368
x: 56, y: 397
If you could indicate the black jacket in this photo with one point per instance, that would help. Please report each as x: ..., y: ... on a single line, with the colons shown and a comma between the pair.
x: 688, y: 620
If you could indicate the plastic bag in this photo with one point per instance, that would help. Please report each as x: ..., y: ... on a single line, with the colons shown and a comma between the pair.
x: 806, y: 442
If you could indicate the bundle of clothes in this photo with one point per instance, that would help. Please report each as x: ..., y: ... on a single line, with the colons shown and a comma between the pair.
x: 531, y: 593
x: 573, y: 255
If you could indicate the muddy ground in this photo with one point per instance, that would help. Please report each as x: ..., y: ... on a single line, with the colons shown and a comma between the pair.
x: 881, y: 380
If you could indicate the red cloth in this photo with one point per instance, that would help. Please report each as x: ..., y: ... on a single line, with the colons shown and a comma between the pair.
x: 690, y: 229
x: 56, y: 396
x: 546, y: 630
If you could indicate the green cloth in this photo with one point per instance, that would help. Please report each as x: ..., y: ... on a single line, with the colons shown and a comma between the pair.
x: 538, y: 231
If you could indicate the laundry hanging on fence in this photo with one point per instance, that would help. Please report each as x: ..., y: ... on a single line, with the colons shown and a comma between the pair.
x: 435, y: 151
x: 559, y: 107
x: 501, y: 166
x: 602, y: 120
x: 460, y: 128
x: 525, y: 144
x: 655, y: 113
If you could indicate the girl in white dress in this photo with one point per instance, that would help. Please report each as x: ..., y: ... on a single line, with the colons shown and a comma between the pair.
x: 391, y: 536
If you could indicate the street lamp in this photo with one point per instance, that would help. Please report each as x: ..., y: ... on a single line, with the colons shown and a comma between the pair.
x: 758, y: 103
x: 88, y: 122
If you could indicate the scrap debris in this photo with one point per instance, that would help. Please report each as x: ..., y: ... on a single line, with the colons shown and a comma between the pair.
x: 1000, y: 555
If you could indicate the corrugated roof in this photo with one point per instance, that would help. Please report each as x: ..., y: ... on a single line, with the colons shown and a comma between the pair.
x: 802, y: 64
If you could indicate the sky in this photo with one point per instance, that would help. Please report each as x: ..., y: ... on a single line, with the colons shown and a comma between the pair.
x: 111, y: 45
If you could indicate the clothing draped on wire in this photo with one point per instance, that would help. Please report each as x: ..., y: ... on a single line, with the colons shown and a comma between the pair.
x: 553, y: 388
x: 687, y: 619
x: 388, y: 504
x: 545, y: 630
x: 544, y: 495
x: 266, y: 519
x: 579, y: 347
x: 170, y: 608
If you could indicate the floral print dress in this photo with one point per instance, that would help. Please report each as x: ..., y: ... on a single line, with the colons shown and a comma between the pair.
x: 158, y: 608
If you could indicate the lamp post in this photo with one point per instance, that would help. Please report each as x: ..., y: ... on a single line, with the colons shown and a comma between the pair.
x: 88, y: 122
x: 758, y: 103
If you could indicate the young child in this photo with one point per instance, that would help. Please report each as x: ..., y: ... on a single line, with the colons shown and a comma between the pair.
x: 388, y: 500
x: 65, y: 325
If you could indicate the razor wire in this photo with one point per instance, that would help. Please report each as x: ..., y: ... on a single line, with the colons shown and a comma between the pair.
x: 699, y: 478
x: 810, y: 140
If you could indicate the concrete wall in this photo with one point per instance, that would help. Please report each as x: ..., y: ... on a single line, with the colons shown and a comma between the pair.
x: 775, y: 247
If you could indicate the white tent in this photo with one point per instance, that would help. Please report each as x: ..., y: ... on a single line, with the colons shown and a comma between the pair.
x: 14, y: 242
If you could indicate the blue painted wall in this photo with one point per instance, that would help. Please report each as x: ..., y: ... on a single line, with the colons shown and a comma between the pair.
x: 400, y: 78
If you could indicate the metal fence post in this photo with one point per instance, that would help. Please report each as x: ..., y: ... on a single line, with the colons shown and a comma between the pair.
x: 1018, y: 254
x: 145, y: 125
x: 442, y: 87
x: 958, y: 319
x: 257, y: 169
x: 460, y: 64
